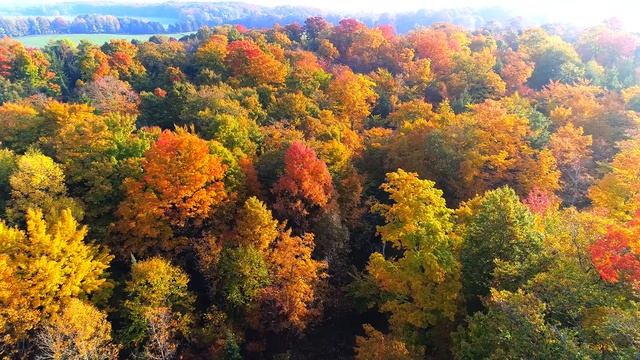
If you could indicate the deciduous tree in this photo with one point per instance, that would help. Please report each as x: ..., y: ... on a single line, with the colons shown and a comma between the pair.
x: 180, y: 185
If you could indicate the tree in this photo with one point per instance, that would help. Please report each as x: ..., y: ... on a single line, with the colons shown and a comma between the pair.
x: 212, y: 52
x: 243, y: 274
x: 108, y: 94
x: 516, y: 70
x: 92, y: 62
x: 292, y: 299
x: 421, y: 283
x: 500, y: 153
x: 255, y: 225
x: 96, y: 152
x: 232, y: 350
x: 316, y: 26
x: 38, y: 183
x: 439, y: 44
x: 80, y: 332
x: 305, y: 186
x: 554, y: 58
x: 123, y: 59
x: 181, y: 183
x: 352, y: 96
x: 473, y: 79
x: 513, y: 327
x: 158, y: 307
x: 501, y: 247
x: 7, y: 167
x: 378, y: 346
x: 598, y: 111
x: 616, y: 256
x: 50, y: 264
x: 572, y: 150
x: 618, y: 192
x: 22, y: 126
x: 252, y: 66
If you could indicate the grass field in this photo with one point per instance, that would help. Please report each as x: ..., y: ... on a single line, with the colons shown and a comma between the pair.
x: 39, y: 41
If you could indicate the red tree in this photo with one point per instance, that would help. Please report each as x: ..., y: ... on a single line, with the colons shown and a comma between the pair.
x: 617, y: 255
x: 305, y: 185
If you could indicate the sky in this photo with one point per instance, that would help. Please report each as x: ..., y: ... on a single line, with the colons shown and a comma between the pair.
x: 579, y: 12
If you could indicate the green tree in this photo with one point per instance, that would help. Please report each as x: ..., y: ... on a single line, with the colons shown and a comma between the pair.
x: 501, y: 246
x: 513, y: 327
x: 158, y: 304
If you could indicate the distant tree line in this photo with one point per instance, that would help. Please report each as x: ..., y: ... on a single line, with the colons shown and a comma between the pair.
x: 84, y: 24
x: 129, y: 19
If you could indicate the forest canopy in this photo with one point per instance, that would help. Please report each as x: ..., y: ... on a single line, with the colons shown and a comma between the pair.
x: 318, y: 190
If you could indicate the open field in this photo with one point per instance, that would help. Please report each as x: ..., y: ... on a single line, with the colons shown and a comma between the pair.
x: 39, y: 41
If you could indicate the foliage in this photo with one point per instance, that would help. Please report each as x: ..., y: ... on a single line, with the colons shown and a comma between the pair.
x: 274, y: 181
x: 419, y: 286
x: 45, y: 267
x: 180, y: 183
x: 501, y: 246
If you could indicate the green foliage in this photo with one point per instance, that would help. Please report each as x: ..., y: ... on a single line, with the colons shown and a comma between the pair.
x: 243, y: 273
x: 231, y: 348
x: 501, y: 247
x: 513, y: 327
x: 7, y: 167
x: 155, y: 287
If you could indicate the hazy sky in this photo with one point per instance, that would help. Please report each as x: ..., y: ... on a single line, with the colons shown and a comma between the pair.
x: 581, y: 12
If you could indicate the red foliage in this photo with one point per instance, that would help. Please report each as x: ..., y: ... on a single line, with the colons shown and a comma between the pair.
x: 387, y: 31
x: 347, y: 26
x: 241, y: 52
x: 617, y: 255
x: 306, y: 182
x: 539, y: 201
x: 437, y: 46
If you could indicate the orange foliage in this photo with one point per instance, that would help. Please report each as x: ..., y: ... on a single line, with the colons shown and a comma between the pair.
x: 180, y: 185
x: 439, y: 45
x: 252, y: 66
x: 296, y: 280
x: 516, y: 71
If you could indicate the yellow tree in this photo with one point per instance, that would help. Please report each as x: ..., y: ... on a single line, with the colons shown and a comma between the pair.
x: 495, y: 150
x: 50, y: 264
x: 421, y: 284
x: 618, y: 192
x: 572, y: 150
x: 158, y: 306
x: 21, y: 125
x: 38, y: 183
x: 80, y: 332
x: 378, y: 346
x: 255, y: 225
x: 212, y: 52
x: 352, y: 96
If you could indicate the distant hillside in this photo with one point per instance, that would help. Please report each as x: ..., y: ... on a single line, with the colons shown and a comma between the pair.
x: 76, y: 18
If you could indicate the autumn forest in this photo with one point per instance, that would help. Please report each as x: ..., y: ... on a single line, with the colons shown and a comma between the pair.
x: 323, y: 191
